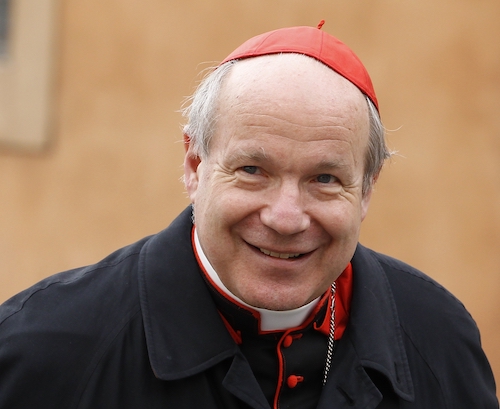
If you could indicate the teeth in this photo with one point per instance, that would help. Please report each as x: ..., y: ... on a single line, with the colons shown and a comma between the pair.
x: 279, y: 255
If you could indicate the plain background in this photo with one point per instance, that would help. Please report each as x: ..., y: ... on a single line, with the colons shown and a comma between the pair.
x: 110, y: 172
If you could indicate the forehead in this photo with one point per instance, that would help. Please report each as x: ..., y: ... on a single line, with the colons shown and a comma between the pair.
x: 290, y: 78
x: 291, y: 96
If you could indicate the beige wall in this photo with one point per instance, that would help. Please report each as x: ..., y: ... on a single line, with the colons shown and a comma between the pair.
x: 111, y: 173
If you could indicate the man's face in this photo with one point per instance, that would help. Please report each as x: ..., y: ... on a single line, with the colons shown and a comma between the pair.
x: 278, y: 202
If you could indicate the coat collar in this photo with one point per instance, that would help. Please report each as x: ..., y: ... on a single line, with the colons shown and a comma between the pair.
x: 171, y: 289
x: 167, y: 261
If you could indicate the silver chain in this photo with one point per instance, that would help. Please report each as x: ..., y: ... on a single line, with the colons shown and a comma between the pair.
x: 331, y: 336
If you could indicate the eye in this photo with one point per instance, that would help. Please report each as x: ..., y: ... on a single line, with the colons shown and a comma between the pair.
x: 325, y: 178
x: 252, y: 170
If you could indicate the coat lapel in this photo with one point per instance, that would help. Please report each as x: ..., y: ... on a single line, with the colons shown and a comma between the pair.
x: 372, y: 341
x: 375, y: 330
x: 184, y: 332
x: 348, y: 384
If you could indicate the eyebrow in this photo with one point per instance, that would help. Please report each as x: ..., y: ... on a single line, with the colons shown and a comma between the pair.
x: 330, y: 164
x: 258, y: 156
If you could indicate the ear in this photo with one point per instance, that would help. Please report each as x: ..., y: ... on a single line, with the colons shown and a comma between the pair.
x: 365, y: 203
x: 191, y: 163
x: 365, y: 200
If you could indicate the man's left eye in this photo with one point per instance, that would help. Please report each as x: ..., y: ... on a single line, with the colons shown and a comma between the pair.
x: 325, y: 178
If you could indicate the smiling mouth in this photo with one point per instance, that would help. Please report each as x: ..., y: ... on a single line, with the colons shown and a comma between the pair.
x: 280, y: 255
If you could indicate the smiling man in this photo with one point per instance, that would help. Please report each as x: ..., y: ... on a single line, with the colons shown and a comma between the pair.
x: 281, y: 187
x: 259, y: 295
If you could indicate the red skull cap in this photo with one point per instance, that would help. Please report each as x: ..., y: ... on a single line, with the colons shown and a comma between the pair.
x: 314, y: 43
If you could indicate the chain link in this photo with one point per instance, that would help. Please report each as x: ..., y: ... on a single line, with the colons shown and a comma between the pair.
x: 331, y: 336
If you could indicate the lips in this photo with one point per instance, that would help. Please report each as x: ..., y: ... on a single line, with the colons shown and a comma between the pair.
x: 279, y: 255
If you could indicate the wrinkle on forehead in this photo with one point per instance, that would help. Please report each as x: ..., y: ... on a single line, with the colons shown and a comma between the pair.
x: 257, y: 120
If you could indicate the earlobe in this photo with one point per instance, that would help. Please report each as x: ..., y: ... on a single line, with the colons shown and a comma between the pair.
x: 191, y: 163
x: 365, y: 202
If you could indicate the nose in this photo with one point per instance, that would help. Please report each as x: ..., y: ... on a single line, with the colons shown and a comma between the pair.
x: 285, y: 212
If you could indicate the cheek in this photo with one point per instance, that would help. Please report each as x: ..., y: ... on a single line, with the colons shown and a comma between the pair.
x: 341, y: 220
x: 234, y: 206
x: 217, y: 206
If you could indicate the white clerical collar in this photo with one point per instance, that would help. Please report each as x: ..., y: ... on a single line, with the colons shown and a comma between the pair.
x: 269, y: 320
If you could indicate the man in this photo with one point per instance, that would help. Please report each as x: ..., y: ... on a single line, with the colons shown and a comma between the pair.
x: 267, y: 300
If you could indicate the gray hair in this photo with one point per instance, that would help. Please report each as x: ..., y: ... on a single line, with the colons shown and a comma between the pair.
x: 201, y: 109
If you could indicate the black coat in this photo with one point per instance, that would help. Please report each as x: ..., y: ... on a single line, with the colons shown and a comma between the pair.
x: 140, y: 330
